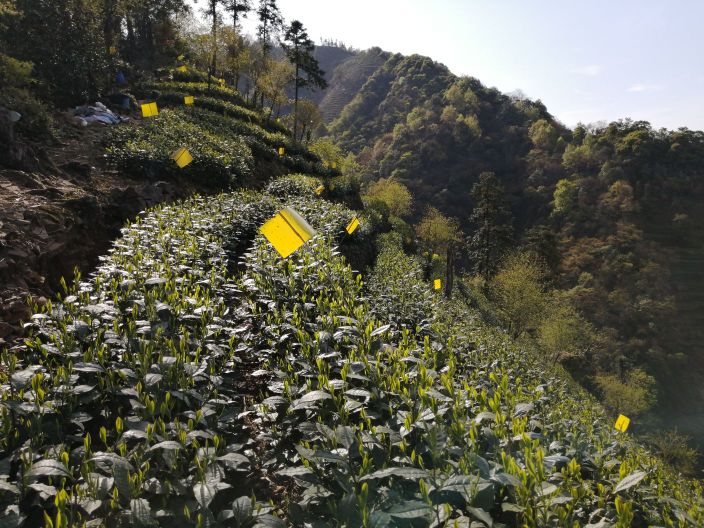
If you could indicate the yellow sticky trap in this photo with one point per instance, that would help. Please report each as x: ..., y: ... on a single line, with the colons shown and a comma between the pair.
x: 319, y: 190
x: 352, y: 226
x: 222, y: 82
x: 622, y: 423
x: 334, y: 165
x: 182, y: 157
x: 149, y: 110
x: 181, y: 57
x: 281, y: 151
x: 113, y: 50
x: 182, y: 69
x: 438, y: 284
x: 188, y: 100
x: 287, y: 231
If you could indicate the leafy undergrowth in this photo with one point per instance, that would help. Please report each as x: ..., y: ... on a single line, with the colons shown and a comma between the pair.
x: 197, y: 379
x: 224, y: 138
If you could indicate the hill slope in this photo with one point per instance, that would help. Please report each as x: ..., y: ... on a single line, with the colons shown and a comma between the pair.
x: 626, y: 217
x: 223, y: 371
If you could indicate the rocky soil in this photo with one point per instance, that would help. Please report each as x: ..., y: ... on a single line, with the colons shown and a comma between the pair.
x: 63, y: 216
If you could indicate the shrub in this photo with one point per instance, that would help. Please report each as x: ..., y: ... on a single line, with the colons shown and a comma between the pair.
x: 632, y: 396
x: 16, y: 78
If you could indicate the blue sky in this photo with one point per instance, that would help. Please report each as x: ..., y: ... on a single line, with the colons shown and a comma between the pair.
x: 587, y: 61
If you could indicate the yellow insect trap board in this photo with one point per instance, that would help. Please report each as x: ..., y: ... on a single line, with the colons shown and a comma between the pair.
x: 188, y: 100
x: 319, y: 190
x: 282, y: 151
x: 622, y: 423
x: 438, y: 284
x: 182, y: 69
x: 287, y: 231
x: 352, y: 226
x: 149, y: 110
x: 182, y: 157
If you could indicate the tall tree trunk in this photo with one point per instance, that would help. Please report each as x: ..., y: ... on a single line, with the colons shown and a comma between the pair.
x: 450, y: 270
x: 214, y: 14
x: 295, y: 103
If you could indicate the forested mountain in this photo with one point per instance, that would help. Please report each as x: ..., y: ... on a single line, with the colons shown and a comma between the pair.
x: 618, y: 204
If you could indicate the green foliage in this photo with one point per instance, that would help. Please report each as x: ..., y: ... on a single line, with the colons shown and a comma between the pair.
x: 565, y: 197
x: 218, y: 161
x: 392, y: 194
x: 563, y: 333
x: 631, y: 396
x: 63, y: 40
x: 16, y: 79
x: 436, y: 231
x: 492, y: 221
x: 675, y: 449
x: 519, y: 293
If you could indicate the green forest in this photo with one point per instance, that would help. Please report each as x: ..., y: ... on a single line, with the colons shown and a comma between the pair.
x: 477, y: 299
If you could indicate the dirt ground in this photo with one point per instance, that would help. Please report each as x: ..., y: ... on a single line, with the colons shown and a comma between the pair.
x: 63, y: 216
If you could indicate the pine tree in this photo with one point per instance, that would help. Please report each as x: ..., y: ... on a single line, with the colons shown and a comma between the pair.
x: 493, y: 225
x: 270, y: 22
x: 238, y: 8
x: 299, y: 50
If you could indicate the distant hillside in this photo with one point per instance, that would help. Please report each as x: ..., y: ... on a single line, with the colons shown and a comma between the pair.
x: 624, y: 217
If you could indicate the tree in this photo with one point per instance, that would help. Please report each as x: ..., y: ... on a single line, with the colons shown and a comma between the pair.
x: 270, y: 23
x: 392, y: 194
x: 563, y: 333
x: 308, y: 117
x: 518, y: 292
x: 272, y: 83
x: 238, y: 8
x: 438, y: 234
x: 64, y: 40
x: 299, y: 51
x: 212, y: 12
x: 493, y: 224
x: 237, y: 54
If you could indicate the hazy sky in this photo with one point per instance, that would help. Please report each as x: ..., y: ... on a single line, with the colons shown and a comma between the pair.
x: 587, y: 61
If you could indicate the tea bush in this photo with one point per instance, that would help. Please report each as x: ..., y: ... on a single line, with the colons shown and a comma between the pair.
x: 198, y: 379
x: 146, y: 150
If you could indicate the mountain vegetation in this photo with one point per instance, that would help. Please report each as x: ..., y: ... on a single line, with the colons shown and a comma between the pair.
x: 458, y: 359
x: 610, y: 209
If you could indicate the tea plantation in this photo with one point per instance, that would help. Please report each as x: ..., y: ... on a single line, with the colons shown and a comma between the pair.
x: 195, y: 378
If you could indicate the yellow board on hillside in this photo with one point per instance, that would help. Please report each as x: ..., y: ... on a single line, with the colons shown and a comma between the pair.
x: 221, y: 82
x: 181, y: 57
x: 287, y: 231
x: 182, y: 157
x: 438, y: 284
x: 622, y: 423
x: 149, y: 110
x: 282, y: 151
x: 188, y: 100
x: 334, y: 165
x: 182, y: 69
x: 352, y: 226
x: 319, y: 190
